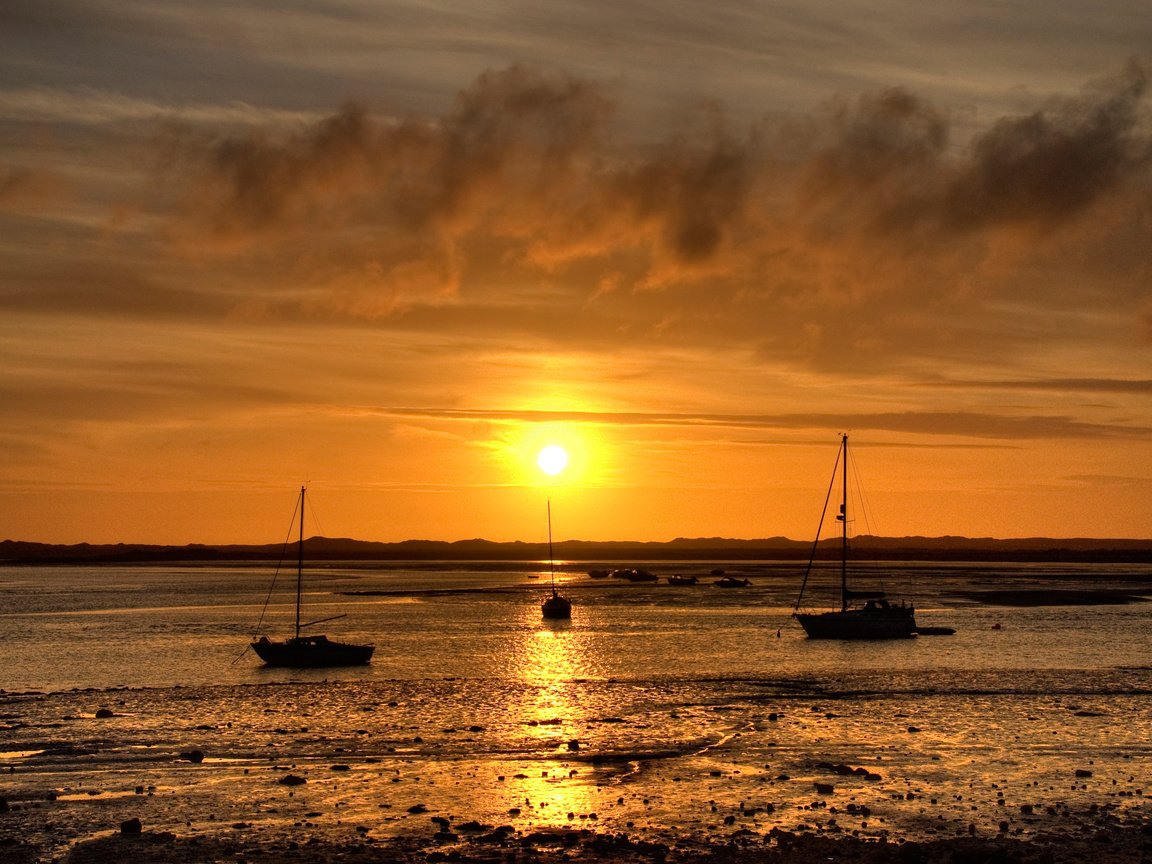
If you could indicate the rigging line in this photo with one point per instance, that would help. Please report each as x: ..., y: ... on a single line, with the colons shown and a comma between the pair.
x: 319, y: 529
x: 861, y: 495
x: 279, y: 565
x: 819, y: 528
x: 866, y: 509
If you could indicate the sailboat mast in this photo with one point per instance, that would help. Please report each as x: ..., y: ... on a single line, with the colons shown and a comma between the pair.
x: 844, y: 530
x: 300, y: 562
x: 551, y: 558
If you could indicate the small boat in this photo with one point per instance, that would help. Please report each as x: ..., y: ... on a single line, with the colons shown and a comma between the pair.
x: 309, y: 651
x: 862, y: 614
x: 732, y: 582
x: 682, y: 580
x: 635, y: 575
x: 935, y: 631
x: 598, y: 574
x: 555, y: 607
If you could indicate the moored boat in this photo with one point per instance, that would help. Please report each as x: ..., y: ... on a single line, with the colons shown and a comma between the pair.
x: 554, y: 607
x: 314, y: 651
x: 732, y: 582
x: 635, y: 575
x: 862, y: 614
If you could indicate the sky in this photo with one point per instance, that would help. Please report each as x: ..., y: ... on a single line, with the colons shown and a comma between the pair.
x: 391, y: 250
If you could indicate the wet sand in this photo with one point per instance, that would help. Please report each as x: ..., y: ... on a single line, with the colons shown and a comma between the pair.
x: 176, y: 775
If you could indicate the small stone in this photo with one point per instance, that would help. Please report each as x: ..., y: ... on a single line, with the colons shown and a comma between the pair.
x: 131, y: 826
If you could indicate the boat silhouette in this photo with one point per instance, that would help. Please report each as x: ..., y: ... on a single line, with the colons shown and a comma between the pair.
x: 309, y: 651
x: 554, y: 607
x: 862, y: 614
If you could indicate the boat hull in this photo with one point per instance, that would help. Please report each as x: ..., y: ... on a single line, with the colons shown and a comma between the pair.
x: 897, y: 622
x: 311, y: 652
x: 556, y: 608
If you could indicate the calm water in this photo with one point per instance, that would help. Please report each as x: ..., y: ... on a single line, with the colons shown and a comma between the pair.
x: 661, y: 709
x: 64, y: 627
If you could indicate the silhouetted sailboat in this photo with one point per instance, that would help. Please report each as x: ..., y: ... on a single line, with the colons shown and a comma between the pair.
x: 862, y: 614
x: 309, y: 651
x: 555, y: 606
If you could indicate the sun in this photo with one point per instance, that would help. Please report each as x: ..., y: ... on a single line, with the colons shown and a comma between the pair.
x: 552, y: 459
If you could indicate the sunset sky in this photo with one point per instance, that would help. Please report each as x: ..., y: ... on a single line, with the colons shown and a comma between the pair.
x: 393, y: 249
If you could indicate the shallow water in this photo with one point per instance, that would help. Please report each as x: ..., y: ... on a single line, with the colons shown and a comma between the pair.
x: 64, y: 627
x: 659, y: 709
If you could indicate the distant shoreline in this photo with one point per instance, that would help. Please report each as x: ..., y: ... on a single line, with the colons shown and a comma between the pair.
x: 866, y: 548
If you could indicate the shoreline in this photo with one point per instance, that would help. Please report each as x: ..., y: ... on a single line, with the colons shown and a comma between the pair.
x: 324, y: 773
x: 323, y: 550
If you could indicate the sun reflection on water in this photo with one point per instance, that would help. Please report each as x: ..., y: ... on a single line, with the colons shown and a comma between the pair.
x: 551, y: 658
x: 554, y: 658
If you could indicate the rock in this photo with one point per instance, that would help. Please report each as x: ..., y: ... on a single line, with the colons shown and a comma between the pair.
x: 291, y: 780
x: 196, y: 756
x: 573, y: 745
x: 131, y: 826
x: 825, y: 788
x: 340, y: 767
x: 105, y: 712
x: 418, y: 808
x: 1083, y: 772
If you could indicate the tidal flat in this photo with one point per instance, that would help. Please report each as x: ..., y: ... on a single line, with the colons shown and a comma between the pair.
x: 660, y: 724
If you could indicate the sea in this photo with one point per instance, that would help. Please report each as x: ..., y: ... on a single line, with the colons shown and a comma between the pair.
x: 681, y: 711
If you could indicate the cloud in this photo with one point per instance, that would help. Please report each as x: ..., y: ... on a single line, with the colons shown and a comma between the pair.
x: 1050, y: 166
x: 975, y: 424
x: 525, y: 215
x: 1062, y: 385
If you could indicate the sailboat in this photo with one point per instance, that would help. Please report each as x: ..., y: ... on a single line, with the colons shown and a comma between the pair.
x: 314, y: 650
x: 862, y: 614
x: 554, y: 607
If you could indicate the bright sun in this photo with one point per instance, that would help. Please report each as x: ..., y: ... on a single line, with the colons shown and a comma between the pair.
x: 552, y: 459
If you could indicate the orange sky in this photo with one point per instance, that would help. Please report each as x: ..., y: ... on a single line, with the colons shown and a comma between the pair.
x: 393, y: 252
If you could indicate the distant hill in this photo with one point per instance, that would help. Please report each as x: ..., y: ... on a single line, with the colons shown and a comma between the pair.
x: 1038, y: 549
